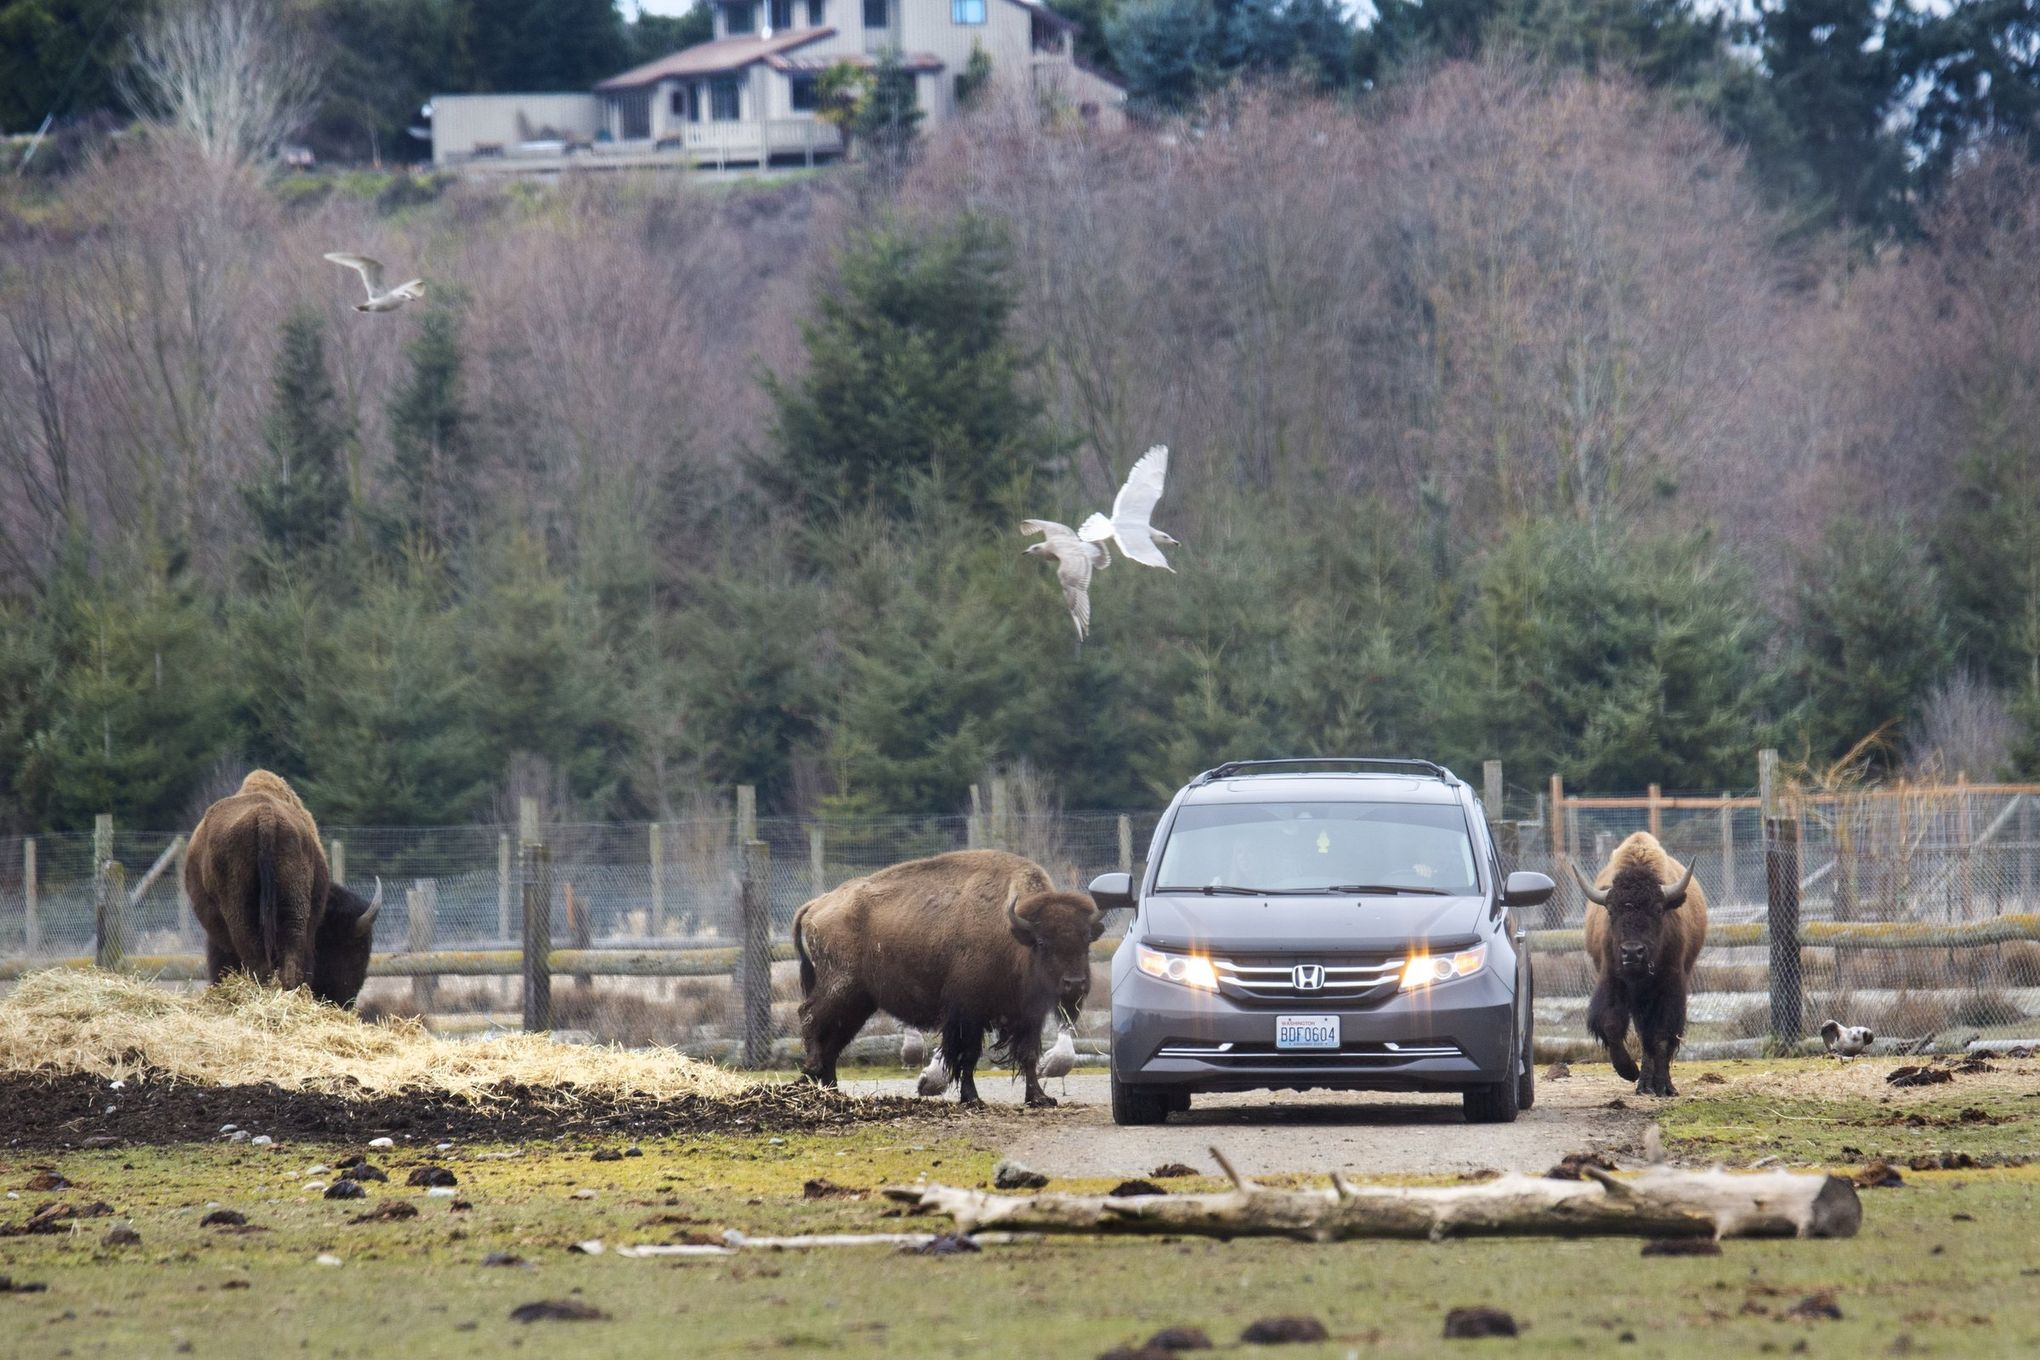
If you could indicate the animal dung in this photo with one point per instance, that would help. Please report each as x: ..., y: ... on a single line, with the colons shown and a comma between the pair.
x: 46, y: 1180
x: 1012, y: 1175
x: 557, y: 1310
x: 1816, y: 1307
x: 224, y: 1218
x: 345, y: 1189
x: 1172, y: 1170
x: 1471, y: 1324
x: 633, y: 1151
x: 122, y: 1235
x: 1280, y: 1331
x: 1135, y: 1187
x: 606, y: 1155
x: 1572, y: 1166
x: 10, y: 1285
x: 1681, y: 1246
x: 823, y: 1188
x: 1558, y: 1071
x: 430, y: 1175
x: 503, y: 1258
x: 390, y: 1210
x: 1179, y: 1339
x: 1878, y: 1176
x: 364, y: 1172
x: 1918, y: 1076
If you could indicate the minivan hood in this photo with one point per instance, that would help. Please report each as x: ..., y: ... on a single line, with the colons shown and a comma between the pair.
x: 1334, y: 923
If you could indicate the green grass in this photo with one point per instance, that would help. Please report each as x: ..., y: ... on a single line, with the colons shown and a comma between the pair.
x: 1949, y: 1259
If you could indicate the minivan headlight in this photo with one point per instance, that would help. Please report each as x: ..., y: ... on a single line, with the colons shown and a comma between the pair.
x: 1425, y: 969
x: 1191, y: 970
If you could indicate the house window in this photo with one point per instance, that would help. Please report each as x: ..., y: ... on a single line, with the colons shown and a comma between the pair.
x: 803, y: 91
x: 966, y: 11
x: 676, y: 103
x: 722, y: 100
x: 817, y: 11
x: 782, y: 15
x: 741, y: 17
x: 875, y: 14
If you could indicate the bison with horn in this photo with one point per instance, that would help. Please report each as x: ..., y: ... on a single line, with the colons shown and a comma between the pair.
x: 257, y: 878
x: 1646, y: 921
x: 966, y: 942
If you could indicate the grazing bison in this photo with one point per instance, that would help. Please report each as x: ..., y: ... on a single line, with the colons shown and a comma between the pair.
x: 966, y: 942
x: 346, y: 935
x: 257, y: 878
x: 1646, y: 921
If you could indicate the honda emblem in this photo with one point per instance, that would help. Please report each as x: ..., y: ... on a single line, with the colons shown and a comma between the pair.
x: 1308, y: 977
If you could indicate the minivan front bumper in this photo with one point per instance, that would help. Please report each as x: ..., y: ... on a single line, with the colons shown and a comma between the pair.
x: 1444, y: 1037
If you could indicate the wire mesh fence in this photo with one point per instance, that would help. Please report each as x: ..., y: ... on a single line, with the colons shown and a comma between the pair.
x: 1936, y: 890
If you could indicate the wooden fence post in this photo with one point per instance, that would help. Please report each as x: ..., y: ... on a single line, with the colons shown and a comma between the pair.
x: 423, y: 901
x: 503, y: 886
x: 747, y: 814
x: 336, y: 860
x: 754, y: 963
x: 1781, y: 883
x: 109, y: 914
x: 1491, y: 794
x: 974, y: 825
x: 1125, y: 844
x: 1967, y: 831
x: 537, y: 936
x: 1727, y: 850
x: 1656, y: 813
x: 1556, y: 819
x: 31, y: 926
x: 2025, y: 852
x: 1767, y: 784
x: 817, y: 861
x: 1002, y: 811
x: 656, y: 848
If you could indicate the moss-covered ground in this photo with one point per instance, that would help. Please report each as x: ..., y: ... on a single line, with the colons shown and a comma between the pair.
x: 1947, y: 1264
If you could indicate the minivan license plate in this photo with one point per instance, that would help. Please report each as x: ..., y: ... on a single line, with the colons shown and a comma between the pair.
x: 1306, y: 1031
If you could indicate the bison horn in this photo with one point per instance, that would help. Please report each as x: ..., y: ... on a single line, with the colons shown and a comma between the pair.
x: 1022, y: 931
x: 1598, y: 896
x: 1676, y: 894
x: 366, y: 925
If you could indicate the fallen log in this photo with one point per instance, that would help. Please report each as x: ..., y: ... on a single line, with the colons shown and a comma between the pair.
x: 1659, y: 1202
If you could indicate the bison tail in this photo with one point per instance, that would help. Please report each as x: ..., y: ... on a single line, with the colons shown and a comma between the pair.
x: 265, y: 901
x: 807, y: 965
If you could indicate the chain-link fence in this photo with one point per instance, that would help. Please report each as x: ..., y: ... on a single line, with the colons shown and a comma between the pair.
x: 1916, y: 907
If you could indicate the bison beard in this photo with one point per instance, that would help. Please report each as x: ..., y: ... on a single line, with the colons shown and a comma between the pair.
x: 967, y: 943
x: 1646, y: 922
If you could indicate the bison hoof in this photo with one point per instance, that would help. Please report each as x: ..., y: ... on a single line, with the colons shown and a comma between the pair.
x: 1043, y: 1101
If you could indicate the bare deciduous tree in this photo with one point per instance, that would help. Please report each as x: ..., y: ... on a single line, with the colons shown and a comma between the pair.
x: 235, y: 76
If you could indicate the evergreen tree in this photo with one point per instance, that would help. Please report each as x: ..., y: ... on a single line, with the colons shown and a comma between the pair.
x: 888, y: 116
x: 1170, y: 51
x: 910, y: 376
x: 1837, y: 81
x: 299, y: 498
x: 1873, y: 635
x: 1972, y: 72
x: 433, y: 458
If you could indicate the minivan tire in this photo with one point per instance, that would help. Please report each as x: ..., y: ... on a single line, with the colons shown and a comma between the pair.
x: 1526, y: 1084
x: 1137, y: 1104
x: 1497, y: 1102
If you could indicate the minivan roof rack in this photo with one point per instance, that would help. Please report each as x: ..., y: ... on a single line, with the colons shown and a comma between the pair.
x: 1392, y: 764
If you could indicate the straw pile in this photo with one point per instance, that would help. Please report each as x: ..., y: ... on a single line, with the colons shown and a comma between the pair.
x: 114, y: 1027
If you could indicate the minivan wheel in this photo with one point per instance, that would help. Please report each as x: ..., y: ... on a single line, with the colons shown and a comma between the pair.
x: 1137, y: 1104
x: 1496, y: 1102
x: 1526, y: 1084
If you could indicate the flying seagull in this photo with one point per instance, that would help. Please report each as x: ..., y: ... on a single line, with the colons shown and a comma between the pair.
x: 1075, y: 560
x: 371, y: 272
x: 1845, y: 1041
x: 1131, y: 510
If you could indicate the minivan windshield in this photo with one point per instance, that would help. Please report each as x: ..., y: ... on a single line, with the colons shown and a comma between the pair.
x: 1318, y: 847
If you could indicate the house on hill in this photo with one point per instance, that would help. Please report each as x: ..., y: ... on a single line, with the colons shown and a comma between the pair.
x: 748, y: 96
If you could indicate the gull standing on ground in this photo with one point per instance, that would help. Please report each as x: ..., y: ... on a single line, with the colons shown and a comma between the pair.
x: 1075, y: 560
x: 1132, y: 508
x: 371, y: 272
x: 1061, y: 1057
x: 1846, y: 1041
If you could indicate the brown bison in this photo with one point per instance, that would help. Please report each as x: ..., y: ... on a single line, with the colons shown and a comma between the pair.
x: 966, y: 942
x: 1646, y: 921
x: 257, y: 878
x: 346, y: 937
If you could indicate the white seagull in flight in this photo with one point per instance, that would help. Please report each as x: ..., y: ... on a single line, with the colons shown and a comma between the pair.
x: 1132, y: 508
x: 371, y: 272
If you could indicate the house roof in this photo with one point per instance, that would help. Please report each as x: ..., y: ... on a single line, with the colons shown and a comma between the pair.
x: 795, y: 63
x: 713, y: 58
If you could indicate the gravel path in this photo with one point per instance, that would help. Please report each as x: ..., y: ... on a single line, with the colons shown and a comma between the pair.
x: 1266, y: 1132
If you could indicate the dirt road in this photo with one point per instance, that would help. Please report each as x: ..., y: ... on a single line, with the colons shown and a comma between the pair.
x: 1264, y: 1133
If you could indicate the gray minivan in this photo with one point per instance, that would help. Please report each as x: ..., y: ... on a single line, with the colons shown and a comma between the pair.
x: 1322, y: 923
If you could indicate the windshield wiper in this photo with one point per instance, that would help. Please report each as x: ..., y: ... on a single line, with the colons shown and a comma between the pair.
x: 1387, y: 888
x: 1209, y: 889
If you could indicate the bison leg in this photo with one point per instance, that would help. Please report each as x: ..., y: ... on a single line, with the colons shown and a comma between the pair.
x: 1026, y: 1050
x: 1660, y: 1030
x: 1608, y: 1021
x: 220, y: 960
x: 829, y: 1021
x: 963, y: 1042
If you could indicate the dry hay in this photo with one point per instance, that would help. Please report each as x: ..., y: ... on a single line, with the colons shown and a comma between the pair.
x: 106, y: 1025
x: 1864, y: 1079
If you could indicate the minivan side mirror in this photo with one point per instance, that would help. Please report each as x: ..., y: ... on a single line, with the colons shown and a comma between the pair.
x: 1526, y: 889
x: 1115, y: 890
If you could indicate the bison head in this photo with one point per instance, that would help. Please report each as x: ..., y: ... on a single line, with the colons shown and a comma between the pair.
x: 346, y: 935
x: 1057, y: 928
x: 1637, y: 905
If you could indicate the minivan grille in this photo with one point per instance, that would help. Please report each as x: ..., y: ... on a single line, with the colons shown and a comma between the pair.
x: 1338, y: 979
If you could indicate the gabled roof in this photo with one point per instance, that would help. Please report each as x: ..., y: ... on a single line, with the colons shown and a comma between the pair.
x: 713, y: 58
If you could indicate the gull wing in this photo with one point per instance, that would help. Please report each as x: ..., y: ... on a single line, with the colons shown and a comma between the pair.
x: 1073, y: 571
x: 1046, y: 526
x: 1135, y: 503
x: 370, y: 270
x: 1096, y: 529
